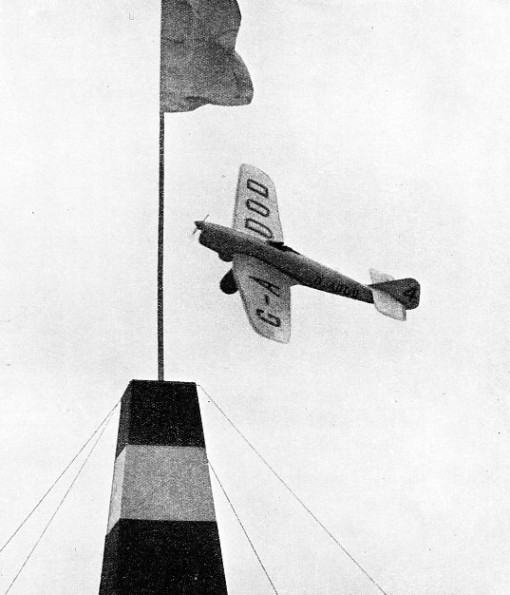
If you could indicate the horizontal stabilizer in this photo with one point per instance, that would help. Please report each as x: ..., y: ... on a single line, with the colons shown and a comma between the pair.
x: 384, y: 302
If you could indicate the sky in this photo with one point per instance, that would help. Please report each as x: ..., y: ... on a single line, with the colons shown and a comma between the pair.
x: 385, y: 126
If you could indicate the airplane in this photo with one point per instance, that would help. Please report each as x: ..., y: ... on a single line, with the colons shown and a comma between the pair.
x: 264, y: 268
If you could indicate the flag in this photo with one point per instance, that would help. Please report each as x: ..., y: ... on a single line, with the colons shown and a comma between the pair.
x: 199, y: 64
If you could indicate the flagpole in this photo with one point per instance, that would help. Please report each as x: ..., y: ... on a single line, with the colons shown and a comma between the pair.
x: 161, y: 231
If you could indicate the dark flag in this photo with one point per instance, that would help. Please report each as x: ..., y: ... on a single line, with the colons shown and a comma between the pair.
x: 199, y: 64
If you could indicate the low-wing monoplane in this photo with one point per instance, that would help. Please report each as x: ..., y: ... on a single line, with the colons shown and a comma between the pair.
x: 264, y: 268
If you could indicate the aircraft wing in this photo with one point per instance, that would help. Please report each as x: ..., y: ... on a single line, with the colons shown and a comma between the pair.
x: 256, y: 210
x: 266, y: 296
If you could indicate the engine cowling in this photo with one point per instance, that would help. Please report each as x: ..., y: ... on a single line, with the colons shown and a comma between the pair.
x: 228, y: 283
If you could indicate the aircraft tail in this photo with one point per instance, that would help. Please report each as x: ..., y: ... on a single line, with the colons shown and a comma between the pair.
x: 394, y: 297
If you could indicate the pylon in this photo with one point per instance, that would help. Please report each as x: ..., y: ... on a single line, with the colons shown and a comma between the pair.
x: 162, y: 536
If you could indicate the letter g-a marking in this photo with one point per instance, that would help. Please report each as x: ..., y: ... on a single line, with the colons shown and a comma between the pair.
x: 268, y: 318
x: 271, y: 287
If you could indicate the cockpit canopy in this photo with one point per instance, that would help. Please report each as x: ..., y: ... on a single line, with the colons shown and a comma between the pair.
x: 281, y: 246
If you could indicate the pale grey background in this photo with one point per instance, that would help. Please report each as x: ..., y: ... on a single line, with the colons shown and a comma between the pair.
x: 385, y: 126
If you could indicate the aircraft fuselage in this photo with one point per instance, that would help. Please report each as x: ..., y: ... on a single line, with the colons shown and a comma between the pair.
x: 304, y: 271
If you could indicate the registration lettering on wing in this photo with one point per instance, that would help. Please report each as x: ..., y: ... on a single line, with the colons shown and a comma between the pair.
x: 256, y: 209
x: 266, y: 297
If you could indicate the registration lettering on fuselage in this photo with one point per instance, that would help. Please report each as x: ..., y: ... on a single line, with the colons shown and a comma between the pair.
x: 339, y: 288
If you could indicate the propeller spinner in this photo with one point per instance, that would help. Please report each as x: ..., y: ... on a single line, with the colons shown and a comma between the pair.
x: 199, y: 225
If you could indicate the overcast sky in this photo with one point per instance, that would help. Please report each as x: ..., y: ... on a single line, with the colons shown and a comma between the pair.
x: 386, y: 128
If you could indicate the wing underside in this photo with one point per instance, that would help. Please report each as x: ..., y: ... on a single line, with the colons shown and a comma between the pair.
x: 256, y: 210
x: 266, y: 297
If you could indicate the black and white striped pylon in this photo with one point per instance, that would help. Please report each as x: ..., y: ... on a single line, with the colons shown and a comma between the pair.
x: 162, y: 535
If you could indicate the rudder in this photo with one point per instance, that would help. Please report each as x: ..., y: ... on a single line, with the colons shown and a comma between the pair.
x: 393, y: 297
